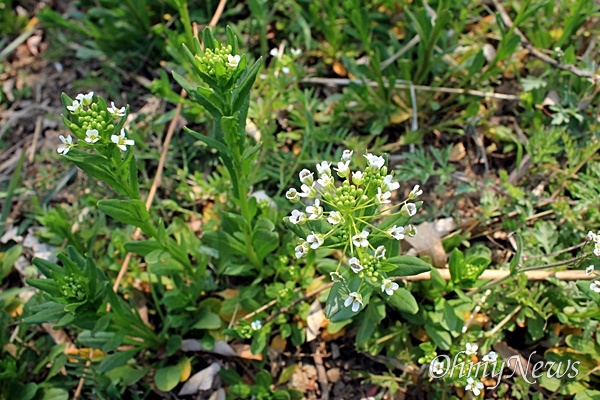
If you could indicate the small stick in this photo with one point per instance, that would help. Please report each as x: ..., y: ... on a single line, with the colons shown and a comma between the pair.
x: 218, y: 13
x: 402, y: 84
x: 502, y: 274
x: 321, y: 374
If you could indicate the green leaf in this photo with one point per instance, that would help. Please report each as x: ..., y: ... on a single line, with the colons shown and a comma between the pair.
x: 55, y: 394
x: 334, y: 307
x: 587, y: 395
x: 47, y: 312
x: 223, y: 243
x: 264, y: 238
x: 131, y: 212
x: 373, y: 315
x: 167, y: 378
x: 142, y: 247
x: 243, y: 91
x: 97, y: 167
x: 404, y: 301
x: 47, y: 285
x: 514, y: 263
x: 408, y: 265
x: 455, y: 264
x: 207, y: 320
x: 439, y: 336
x: 213, y: 143
x: 26, y: 392
x: 208, y: 39
x: 117, y: 360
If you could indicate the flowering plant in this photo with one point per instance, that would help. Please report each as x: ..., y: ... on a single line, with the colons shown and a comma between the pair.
x: 100, y: 128
x: 358, y: 217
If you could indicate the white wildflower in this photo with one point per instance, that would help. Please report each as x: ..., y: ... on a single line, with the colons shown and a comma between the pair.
x: 491, y: 357
x: 308, y: 191
x: 85, y: 99
x: 409, y: 209
x: 388, y: 286
x: 355, y: 265
x: 121, y: 141
x: 336, y: 277
x: 274, y: 52
x: 389, y: 185
x: 355, y: 299
x: 473, y: 386
x: 589, y: 270
x: 471, y: 349
x: 383, y: 198
x: 295, y: 52
x: 595, y: 286
x: 358, y: 178
x: 302, y: 249
x: 315, y: 240
x: 347, y: 155
x: 380, y: 252
x: 116, y: 112
x: 92, y: 136
x: 334, y: 218
x: 75, y: 108
x: 324, y: 168
x: 375, y: 162
x: 325, y: 180
x: 292, y: 195
x: 591, y: 236
x: 397, y: 232
x: 437, y: 368
x: 411, y: 230
x: 360, y: 240
x: 315, y: 211
x: 233, y: 61
x: 285, y: 70
x: 256, y: 325
x: 306, y: 177
x: 416, y: 192
x: 343, y: 169
x: 67, y: 144
x: 297, y: 217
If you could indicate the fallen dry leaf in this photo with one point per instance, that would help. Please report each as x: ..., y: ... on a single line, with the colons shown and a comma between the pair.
x: 221, y: 348
x: 314, y: 320
x: 202, y: 380
x: 278, y: 344
x: 428, y: 242
x: 243, y: 351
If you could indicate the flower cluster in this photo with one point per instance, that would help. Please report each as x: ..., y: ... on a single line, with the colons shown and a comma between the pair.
x: 285, y: 61
x: 595, y: 238
x: 218, y: 61
x: 93, y: 122
x: 345, y: 215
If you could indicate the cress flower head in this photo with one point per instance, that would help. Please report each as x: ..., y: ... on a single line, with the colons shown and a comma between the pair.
x: 91, y: 120
x: 341, y: 205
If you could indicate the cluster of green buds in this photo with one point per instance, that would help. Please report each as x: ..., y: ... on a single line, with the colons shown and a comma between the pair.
x: 246, y: 330
x: 220, y: 67
x: 74, y: 287
x: 219, y: 61
x: 93, y: 123
x: 356, y: 216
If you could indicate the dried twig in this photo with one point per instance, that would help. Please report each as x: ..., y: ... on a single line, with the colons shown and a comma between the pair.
x: 503, y: 274
x: 321, y: 373
x: 403, y: 84
x: 538, y: 54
